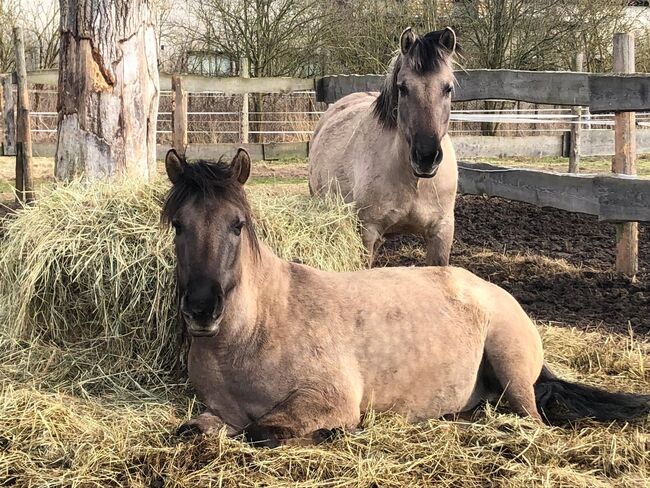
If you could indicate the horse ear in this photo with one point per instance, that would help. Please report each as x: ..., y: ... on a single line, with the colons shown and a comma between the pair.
x: 406, y: 40
x: 448, y: 39
x: 175, y: 165
x: 241, y: 165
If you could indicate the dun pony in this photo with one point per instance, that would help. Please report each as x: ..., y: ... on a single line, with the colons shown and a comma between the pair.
x: 281, y: 352
x: 390, y: 153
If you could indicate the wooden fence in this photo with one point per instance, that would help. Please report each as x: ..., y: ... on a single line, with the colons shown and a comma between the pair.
x: 599, y: 92
x: 615, y: 198
x: 619, y: 199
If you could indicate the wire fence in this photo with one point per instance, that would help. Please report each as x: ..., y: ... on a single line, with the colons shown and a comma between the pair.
x: 217, y: 118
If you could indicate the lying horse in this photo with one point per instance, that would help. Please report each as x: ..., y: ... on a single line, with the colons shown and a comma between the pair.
x: 281, y: 350
x: 390, y: 153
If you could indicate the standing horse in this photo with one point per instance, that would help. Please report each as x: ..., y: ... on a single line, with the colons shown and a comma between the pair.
x: 390, y: 152
x: 280, y: 350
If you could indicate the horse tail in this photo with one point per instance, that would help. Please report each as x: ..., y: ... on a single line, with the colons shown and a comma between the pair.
x: 560, y: 401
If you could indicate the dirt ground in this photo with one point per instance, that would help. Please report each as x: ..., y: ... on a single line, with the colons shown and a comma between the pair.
x: 557, y: 264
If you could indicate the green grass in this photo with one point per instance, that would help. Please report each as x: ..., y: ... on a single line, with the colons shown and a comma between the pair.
x: 588, y: 164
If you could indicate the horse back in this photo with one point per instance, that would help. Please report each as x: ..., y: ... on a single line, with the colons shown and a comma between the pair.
x: 330, y: 161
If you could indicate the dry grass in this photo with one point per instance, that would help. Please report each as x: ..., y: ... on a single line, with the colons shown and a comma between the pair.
x: 60, y: 430
x: 87, y: 397
x: 93, y: 262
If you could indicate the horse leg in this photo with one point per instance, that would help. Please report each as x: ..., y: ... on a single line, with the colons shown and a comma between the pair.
x: 439, y: 238
x: 516, y: 358
x: 206, y: 423
x: 307, y: 416
x: 371, y: 240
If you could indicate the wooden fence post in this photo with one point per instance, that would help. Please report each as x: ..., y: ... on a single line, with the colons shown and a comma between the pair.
x: 179, y: 115
x: 2, y: 111
x: 243, y: 130
x: 8, y: 117
x: 24, y: 182
x: 576, y: 126
x: 624, y: 161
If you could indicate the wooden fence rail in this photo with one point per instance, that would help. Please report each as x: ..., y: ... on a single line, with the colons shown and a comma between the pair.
x: 600, y: 92
x: 611, y: 198
x: 232, y: 85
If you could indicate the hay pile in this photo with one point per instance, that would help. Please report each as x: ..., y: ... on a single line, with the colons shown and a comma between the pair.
x: 91, y: 263
x: 87, y: 398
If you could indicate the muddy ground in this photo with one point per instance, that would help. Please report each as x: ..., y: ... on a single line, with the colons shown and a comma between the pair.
x: 557, y: 264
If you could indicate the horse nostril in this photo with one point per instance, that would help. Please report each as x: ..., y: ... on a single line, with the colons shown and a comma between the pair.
x: 437, y: 159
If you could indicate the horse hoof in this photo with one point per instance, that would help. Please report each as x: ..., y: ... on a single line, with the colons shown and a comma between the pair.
x: 326, y: 435
x: 188, y: 430
x: 259, y: 436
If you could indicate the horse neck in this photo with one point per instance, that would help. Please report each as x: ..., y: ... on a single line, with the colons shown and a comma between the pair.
x: 263, y: 277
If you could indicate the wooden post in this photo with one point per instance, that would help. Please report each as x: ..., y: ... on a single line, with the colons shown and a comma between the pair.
x: 576, y: 126
x: 179, y: 116
x: 9, y: 122
x: 243, y: 131
x: 2, y: 110
x: 24, y: 182
x: 624, y: 161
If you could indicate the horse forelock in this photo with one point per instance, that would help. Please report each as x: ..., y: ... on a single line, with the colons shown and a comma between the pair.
x: 209, y: 180
x: 425, y: 56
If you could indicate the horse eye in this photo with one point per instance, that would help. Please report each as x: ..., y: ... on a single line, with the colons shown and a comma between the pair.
x: 448, y: 89
x: 237, y: 227
x: 403, y: 90
x: 177, y: 226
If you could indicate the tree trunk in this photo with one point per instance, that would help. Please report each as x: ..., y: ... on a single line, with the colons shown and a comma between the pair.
x: 108, y: 90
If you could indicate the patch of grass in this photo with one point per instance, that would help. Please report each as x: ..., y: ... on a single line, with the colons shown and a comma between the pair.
x: 588, y: 164
x: 275, y: 180
x: 289, y: 161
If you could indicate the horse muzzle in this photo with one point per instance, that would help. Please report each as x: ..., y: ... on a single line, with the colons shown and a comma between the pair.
x: 203, y: 330
x: 418, y: 173
x: 203, y: 320
x: 426, y: 164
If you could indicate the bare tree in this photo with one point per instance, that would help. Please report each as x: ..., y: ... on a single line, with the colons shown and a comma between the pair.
x: 594, y: 24
x: 176, y: 39
x: 368, y: 31
x: 278, y: 37
x: 536, y: 35
x: 9, y: 15
x: 41, y: 26
x: 108, y: 89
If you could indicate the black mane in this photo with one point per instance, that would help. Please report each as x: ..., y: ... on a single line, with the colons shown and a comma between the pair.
x: 426, y: 55
x: 208, y: 180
